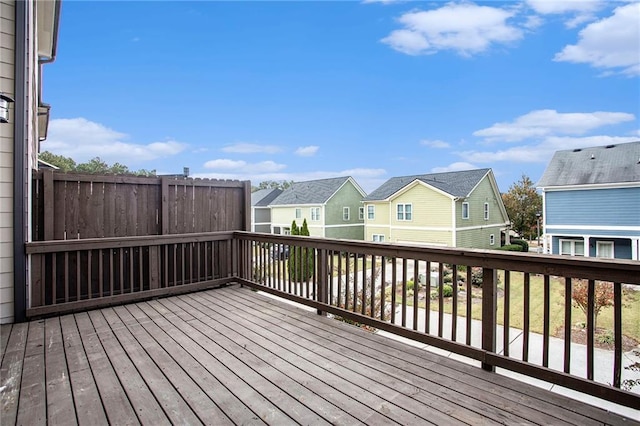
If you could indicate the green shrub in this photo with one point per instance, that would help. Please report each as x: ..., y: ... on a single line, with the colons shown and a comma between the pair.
x: 511, y: 247
x: 521, y: 243
x: 411, y: 285
x: 447, y: 290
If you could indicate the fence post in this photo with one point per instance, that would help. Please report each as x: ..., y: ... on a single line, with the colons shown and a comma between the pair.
x: 321, y: 276
x: 489, y: 308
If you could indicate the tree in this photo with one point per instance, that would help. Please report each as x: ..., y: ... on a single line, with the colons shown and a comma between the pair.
x: 93, y: 166
x: 273, y: 184
x: 301, y: 262
x: 603, y: 296
x: 522, y: 202
x: 65, y: 164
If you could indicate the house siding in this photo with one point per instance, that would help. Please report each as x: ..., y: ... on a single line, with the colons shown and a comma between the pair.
x: 594, y: 207
x: 622, y: 247
x: 483, y: 193
x: 441, y: 238
x: 347, y: 196
x: 479, y: 238
x: 285, y: 215
x: 429, y: 208
x: 7, y: 85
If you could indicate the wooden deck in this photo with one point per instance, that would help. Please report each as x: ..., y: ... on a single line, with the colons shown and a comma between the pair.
x: 233, y: 356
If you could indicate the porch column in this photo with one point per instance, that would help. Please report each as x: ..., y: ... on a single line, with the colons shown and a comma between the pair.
x: 586, y: 246
x: 635, y: 248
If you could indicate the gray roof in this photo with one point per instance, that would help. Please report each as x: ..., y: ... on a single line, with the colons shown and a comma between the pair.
x: 264, y: 197
x: 310, y: 192
x: 457, y: 184
x: 615, y: 163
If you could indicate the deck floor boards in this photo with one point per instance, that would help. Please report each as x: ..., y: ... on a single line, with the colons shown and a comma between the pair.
x: 234, y: 356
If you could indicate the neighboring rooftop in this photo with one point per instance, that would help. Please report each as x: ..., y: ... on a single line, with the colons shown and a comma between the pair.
x: 458, y: 184
x: 615, y: 163
x: 310, y: 192
x: 264, y: 197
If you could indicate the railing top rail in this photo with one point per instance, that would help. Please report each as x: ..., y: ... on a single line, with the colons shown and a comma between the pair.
x: 616, y: 270
x: 115, y: 242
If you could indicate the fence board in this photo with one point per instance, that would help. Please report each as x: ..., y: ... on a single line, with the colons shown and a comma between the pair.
x: 72, y: 206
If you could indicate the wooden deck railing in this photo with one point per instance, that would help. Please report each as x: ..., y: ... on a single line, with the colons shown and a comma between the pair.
x: 396, y: 288
x: 69, y: 275
x: 375, y: 284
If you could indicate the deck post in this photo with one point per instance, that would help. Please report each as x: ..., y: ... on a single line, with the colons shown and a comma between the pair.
x: 321, y: 274
x: 489, y: 309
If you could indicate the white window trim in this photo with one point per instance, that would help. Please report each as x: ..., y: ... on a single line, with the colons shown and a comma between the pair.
x: 492, y: 239
x: 298, y: 213
x: 315, y: 217
x: 371, y: 212
x: 378, y: 238
x: 607, y: 243
x: 466, y: 203
x: 360, y: 213
x: 486, y: 211
x: 573, y: 247
x: 404, y: 212
x: 346, y: 213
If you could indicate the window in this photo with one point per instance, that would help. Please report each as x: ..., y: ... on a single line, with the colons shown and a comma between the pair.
x: 361, y: 213
x: 346, y: 213
x: 465, y: 210
x: 492, y: 239
x: 371, y: 212
x: 572, y: 247
x: 486, y: 211
x: 315, y: 213
x: 404, y: 211
x: 298, y: 213
x: 378, y: 238
x: 604, y: 249
x: 286, y: 231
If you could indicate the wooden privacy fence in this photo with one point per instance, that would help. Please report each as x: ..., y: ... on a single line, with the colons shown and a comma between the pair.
x: 69, y: 206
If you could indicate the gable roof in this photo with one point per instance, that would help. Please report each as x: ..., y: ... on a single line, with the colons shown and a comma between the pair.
x: 264, y: 197
x: 457, y: 184
x: 311, y: 192
x: 616, y: 163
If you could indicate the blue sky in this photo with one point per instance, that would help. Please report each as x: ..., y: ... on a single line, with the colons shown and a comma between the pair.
x: 375, y: 89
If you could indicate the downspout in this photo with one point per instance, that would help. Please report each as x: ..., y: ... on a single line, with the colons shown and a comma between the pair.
x: 20, y: 167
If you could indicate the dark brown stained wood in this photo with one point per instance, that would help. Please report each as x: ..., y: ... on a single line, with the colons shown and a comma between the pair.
x: 617, y: 332
x: 32, y: 407
x: 506, y: 318
x: 87, y: 403
x: 97, y: 209
x: 47, y: 203
x: 441, y: 299
x: 526, y: 312
x: 72, y: 224
x: 116, y: 404
x: 86, y: 219
x: 12, y: 367
x: 37, y: 280
x: 469, y: 305
x: 59, y: 203
x: 120, y: 211
x: 140, y: 396
x: 173, y: 406
x: 416, y: 285
x: 489, y: 312
x: 131, y: 203
x: 166, y: 207
x: 591, y: 327
x: 256, y: 402
x: 503, y: 393
x: 546, y: 320
x: 109, y: 210
x: 568, y: 305
x: 60, y: 407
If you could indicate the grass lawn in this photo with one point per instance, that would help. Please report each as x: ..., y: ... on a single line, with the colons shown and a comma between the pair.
x: 630, y: 310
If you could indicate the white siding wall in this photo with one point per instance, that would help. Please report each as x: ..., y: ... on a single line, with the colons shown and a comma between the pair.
x: 7, y: 81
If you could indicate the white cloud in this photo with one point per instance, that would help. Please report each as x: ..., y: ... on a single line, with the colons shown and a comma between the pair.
x: 240, y: 166
x: 434, y: 143
x: 82, y: 140
x: 454, y: 167
x: 541, y: 123
x: 542, y: 152
x: 251, y: 148
x: 612, y: 44
x: 465, y: 28
x: 307, y: 151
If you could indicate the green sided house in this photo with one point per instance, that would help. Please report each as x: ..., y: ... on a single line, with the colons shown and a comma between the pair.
x: 453, y: 209
x: 332, y: 208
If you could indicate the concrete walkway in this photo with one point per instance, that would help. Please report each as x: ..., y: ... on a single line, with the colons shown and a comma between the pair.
x: 603, y: 359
